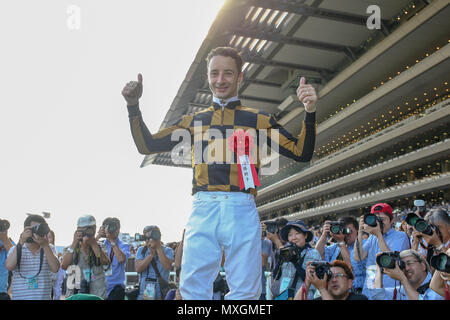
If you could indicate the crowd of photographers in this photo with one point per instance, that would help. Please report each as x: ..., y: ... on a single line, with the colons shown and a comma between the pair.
x: 378, y: 256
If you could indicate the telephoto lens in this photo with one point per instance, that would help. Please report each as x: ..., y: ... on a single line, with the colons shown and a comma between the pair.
x: 440, y: 262
x: 388, y: 259
x: 155, y: 234
x: 423, y: 227
x: 411, y: 219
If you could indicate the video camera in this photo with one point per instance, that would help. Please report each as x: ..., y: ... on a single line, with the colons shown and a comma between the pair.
x: 389, y: 259
x: 290, y: 252
x: 440, y: 262
x: 41, y: 229
x: 338, y: 227
x: 322, y: 268
x: 4, y: 225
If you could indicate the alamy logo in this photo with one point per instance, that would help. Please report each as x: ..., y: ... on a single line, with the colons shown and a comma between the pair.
x: 73, y: 21
x: 374, y: 20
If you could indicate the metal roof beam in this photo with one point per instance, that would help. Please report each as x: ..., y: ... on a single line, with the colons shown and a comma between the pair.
x: 306, y: 10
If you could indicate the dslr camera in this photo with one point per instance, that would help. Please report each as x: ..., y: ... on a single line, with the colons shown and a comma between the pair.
x: 322, y: 268
x: 4, y: 225
x: 290, y: 252
x: 41, y: 229
x: 111, y: 227
x: 389, y: 259
x: 420, y: 224
x: 371, y: 220
x: 154, y: 234
x: 88, y: 232
x: 440, y: 262
x: 338, y: 227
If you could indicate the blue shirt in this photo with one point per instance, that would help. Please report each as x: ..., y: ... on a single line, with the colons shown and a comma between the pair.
x: 388, y: 293
x: 359, y: 268
x: 118, y: 269
x: 396, y: 241
x: 3, y: 270
x: 150, y: 272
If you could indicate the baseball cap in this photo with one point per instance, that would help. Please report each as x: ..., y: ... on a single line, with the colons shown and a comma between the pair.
x: 299, y: 225
x: 86, y: 220
x: 382, y: 207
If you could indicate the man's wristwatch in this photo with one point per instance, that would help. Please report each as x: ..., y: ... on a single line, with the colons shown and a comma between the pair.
x: 113, y: 244
x: 440, y: 247
x: 70, y: 250
x: 342, y: 243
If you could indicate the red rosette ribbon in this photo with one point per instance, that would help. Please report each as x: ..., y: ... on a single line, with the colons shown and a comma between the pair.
x: 241, y: 143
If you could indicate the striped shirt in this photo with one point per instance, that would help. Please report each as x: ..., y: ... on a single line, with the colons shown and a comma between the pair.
x: 214, y: 165
x: 29, y: 266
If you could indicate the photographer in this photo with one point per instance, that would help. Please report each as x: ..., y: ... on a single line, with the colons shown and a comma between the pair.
x: 5, y: 245
x: 290, y: 272
x: 153, y: 263
x: 345, y: 233
x: 118, y: 253
x: 382, y: 238
x: 84, y: 260
x: 333, y: 284
x: 411, y: 270
x: 441, y: 279
x: 32, y: 260
x: 271, y: 230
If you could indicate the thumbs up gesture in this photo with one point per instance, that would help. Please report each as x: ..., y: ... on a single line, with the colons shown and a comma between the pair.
x: 133, y: 91
x: 307, y: 95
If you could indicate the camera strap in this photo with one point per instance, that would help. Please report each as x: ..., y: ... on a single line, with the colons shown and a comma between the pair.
x: 19, y: 258
x: 423, y: 288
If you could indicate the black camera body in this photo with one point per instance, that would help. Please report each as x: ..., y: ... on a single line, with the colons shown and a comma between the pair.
x: 41, y: 229
x: 389, y: 259
x: 155, y: 234
x: 4, y: 225
x: 440, y: 262
x: 322, y: 268
x: 419, y: 224
x: 111, y: 227
x: 371, y: 220
x: 338, y: 227
x: 290, y: 252
x: 88, y: 232
x: 271, y: 226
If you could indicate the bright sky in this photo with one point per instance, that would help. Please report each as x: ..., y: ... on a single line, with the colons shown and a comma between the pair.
x: 65, y: 137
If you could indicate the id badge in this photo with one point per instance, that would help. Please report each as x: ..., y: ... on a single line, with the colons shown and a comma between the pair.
x: 285, y: 281
x: 32, y: 283
x: 87, y: 274
x: 149, y: 291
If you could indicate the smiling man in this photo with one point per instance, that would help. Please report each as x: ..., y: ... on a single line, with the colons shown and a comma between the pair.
x: 224, y: 215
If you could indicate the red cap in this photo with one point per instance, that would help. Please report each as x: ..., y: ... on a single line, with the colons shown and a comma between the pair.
x: 382, y: 207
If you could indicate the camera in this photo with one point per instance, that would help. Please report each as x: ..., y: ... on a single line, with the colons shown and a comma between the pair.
x: 154, y: 234
x: 371, y: 220
x: 111, y: 227
x: 388, y: 260
x: 411, y: 218
x: 140, y: 237
x: 440, y: 262
x: 338, y: 227
x: 322, y: 268
x: 271, y: 226
x: 4, y: 225
x: 290, y: 252
x: 41, y: 229
x: 88, y: 232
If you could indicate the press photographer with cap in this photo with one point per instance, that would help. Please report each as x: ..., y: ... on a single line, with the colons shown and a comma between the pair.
x: 32, y: 261
x: 335, y: 284
x: 118, y: 253
x: 412, y: 276
x: 345, y: 232
x: 85, y: 261
x: 383, y: 237
x: 153, y: 263
x: 290, y: 272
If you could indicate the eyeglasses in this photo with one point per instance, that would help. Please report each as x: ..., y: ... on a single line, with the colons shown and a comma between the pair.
x: 338, y: 275
x: 408, y: 263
